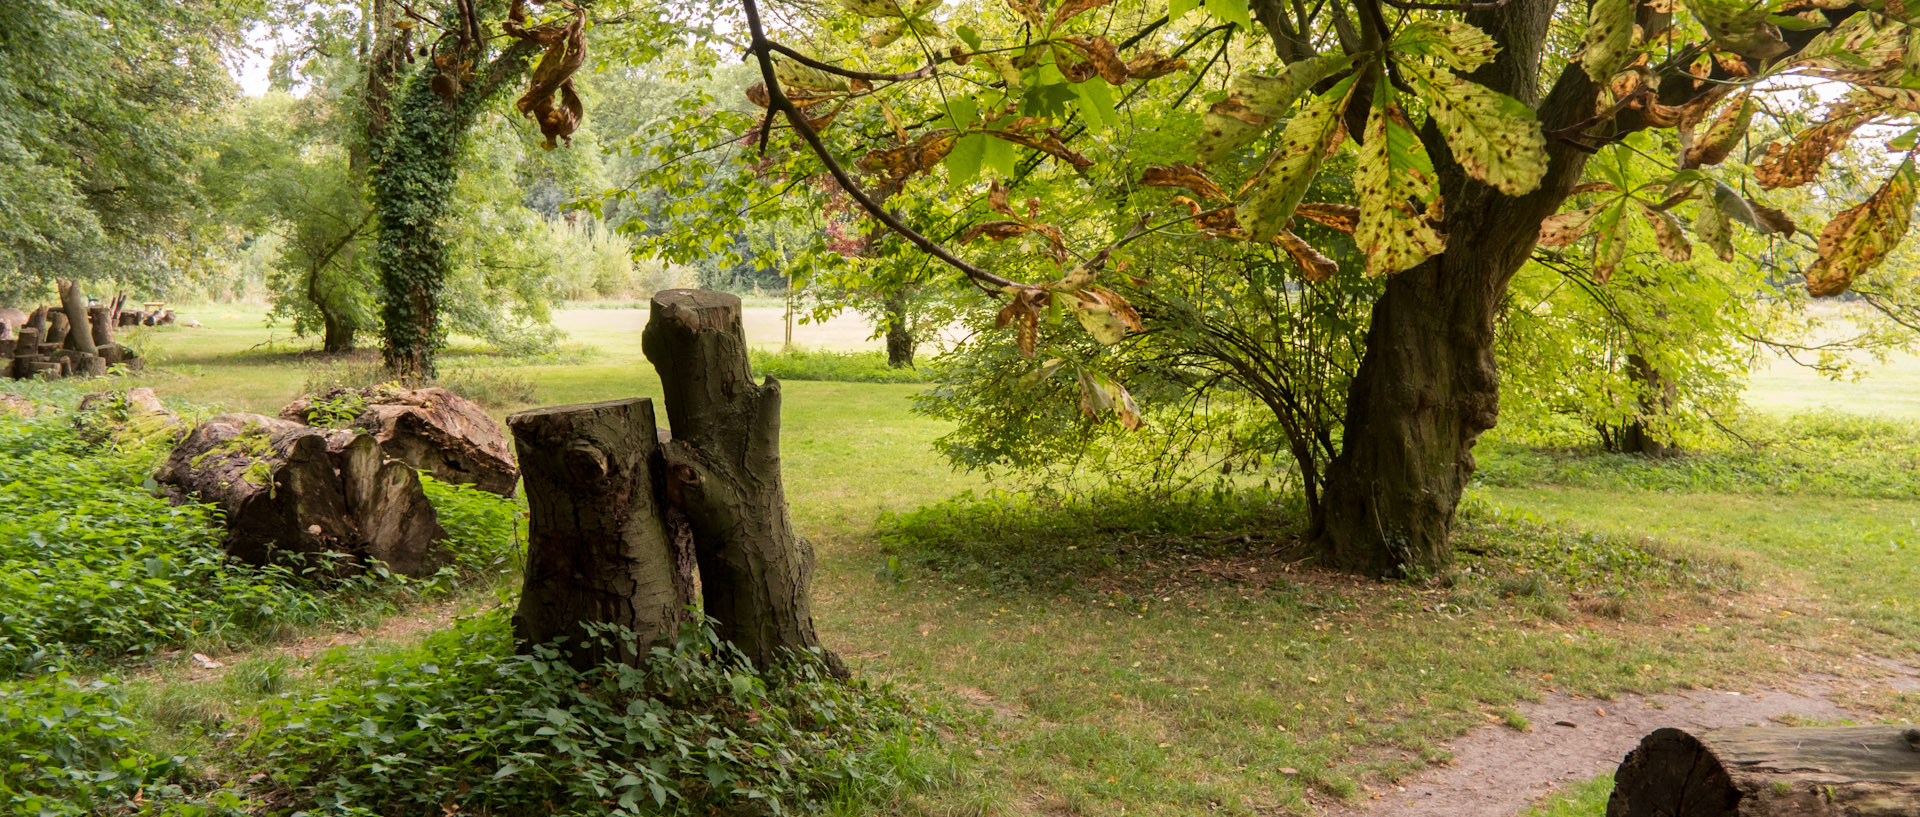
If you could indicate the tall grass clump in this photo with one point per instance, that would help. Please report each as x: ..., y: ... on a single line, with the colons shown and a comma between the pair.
x: 850, y: 367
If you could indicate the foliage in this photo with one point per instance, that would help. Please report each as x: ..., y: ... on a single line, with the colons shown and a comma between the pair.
x: 70, y: 747
x: 465, y: 723
x: 1824, y: 454
x: 851, y: 367
x: 96, y: 567
x: 485, y: 531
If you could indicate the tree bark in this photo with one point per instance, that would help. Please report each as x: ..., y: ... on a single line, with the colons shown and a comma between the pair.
x: 290, y: 490
x: 101, y: 319
x: 430, y: 429
x: 1850, y: 771
x: 900, y: 340
x: 723, y: 465
x: 74, y: 306
x: 599, y: 549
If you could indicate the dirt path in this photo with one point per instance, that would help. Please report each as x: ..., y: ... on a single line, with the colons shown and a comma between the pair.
x: 1498, y: 771
x: 407, y: 626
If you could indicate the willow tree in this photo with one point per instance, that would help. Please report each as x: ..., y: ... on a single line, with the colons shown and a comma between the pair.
x: 1472, y: 125
x: 425, y: 93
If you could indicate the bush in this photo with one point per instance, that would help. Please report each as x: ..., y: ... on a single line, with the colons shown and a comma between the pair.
x: 485, y: 531
x: 851, y: 367
x: 67, y: 748
x: 465, y: 724
x: 94, y: 566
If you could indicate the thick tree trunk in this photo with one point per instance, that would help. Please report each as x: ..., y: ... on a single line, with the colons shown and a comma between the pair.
x: 599, y: 549
x: 287, y: 489
x: 1656, y: 397
x: 723, y: 464
x: 900, y: 340
x: 74, y: 306
x: 1847, y: 771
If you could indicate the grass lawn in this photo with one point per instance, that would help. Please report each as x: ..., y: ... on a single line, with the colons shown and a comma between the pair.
x: 1102, y: 670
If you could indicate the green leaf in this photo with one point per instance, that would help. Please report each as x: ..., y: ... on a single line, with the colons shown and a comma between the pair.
x: 961, y: 111
x: 1394, y: 171
x: 1179, y: 8
x: 999, y: 156
x: 1494, y: 137
x: 963, y: 164
x: 1609, y: 37
x: 1231, y: 11
x: 1309, y: 137
x: 1860, y: 237
x: 1256, y: 101
x: 969, y: 36
x: 1739, y: 26
x: 1096, y: 104
x: 1460, y: 45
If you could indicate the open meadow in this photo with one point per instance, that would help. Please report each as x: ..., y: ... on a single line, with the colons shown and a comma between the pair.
x: 1173, y: 656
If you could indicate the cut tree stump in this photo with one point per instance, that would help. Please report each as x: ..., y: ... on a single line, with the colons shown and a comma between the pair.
x: 1850, y: 771
x: 291, y: 490
x: 599, y: 548
x: 723, y: 473
x: 431, y: 429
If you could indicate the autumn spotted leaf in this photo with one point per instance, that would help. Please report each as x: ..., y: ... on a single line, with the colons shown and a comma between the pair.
x: 1105, y: 315
x: 1101, y: 54
x: 1071, y: 9
x: 1667, y: 233
x: 1797, y: 162
x: 1739, y: 26
x: 1100, y: 393
x: 1493, y: 136
x: 1315, y: 266
x: 1045, y: 142
x: 1460, y: 45
x: 1342, y: 217
x: 1728, y: 128
x: 1022, y: 313
x: 897, y: 164
x: 1153, y: 65
x: 551, y: 101
x: 1255, y: 101
x: 1860, y: 237
x: 1186, y: 176
x: 1394, y: 179
x: 1309, y: 137
x: 1609, y: 37
x: 1562, y: 229
x: 1714, y: 229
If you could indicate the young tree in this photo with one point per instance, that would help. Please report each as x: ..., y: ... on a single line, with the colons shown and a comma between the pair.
x: 1472, y: 123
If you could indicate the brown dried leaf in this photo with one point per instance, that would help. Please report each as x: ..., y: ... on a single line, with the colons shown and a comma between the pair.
x: 1773, y: 220
x: 1314, y: 266
x: 554, y: 75
x: 1100, y: 53
x: 1072, y: 9
x: 997, y: 199
x: 1794, y: 163
x: 897, y: 164
x: 1187, y: 176
x: 1153, y: 65
x: 994, y: 230
x: 1726, y: 131
x: 1045, y: 143
x: 1667, y: 233
x: 1860, y: 238
x: 1561, y: 229
x: 1342, y: 217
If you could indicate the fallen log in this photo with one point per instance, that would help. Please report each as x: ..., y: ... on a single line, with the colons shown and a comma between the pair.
x: 431, y: 429
x: 1850, y: 771
x: 292, y: 493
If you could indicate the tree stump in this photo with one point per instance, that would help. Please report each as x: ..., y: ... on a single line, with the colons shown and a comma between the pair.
x: 287, y: 489
x: 26, y: 352
x: 1850, y: 771
x: 723, y: 473
x: 600, y: 549
x: 431, y: 429
x: 56, y: 332
x: 101, y: 319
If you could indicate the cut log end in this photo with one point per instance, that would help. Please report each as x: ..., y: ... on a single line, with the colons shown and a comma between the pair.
x: 1855, y: 771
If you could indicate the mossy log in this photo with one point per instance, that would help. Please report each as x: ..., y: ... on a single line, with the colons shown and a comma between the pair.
x: 1847, y: 771
x: 431, y: 429
x: 291, y: 493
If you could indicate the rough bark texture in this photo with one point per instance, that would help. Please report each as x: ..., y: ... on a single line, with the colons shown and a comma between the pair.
x: 1426, y: 387
x: 287, y: 489
x: 431, y: 429
x: 74, y: 306
x: 1850, y: 771
x: 723, y: 464
x: 900, y: 340
x: 599, y: 548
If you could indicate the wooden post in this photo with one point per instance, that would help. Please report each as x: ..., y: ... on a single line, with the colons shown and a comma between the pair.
x: 1850, y: 771
x: 723, y: 472
x: 599, y: 548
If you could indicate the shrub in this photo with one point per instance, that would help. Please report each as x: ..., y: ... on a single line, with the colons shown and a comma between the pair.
x: 852, y: 367
x: 485, y: 531
x: 465, y: 724
x: 68, y: 748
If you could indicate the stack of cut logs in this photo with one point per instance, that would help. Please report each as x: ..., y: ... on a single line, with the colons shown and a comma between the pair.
x: 72, y: 339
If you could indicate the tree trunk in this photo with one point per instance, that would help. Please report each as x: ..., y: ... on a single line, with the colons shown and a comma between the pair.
x: 74, y: 306
x: 58, y: 325
x: 1847, y: 771
x: 900, y: 340
x: 599, y: 549
x: 1656, y: 398
x: 430, y: 429
x: 723, y: 465
x: 101, y: 319
x: 290, y: 490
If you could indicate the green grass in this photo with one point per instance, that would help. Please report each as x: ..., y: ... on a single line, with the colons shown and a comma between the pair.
x: 850, y: 367
x: 1585, y: 799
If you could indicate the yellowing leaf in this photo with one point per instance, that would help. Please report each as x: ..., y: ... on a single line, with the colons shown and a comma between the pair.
x: 1187, y: 176
x: 1458, y: 44
x: 1255, y: 101
x: 1493, y: 136
x: 1105, y: 315
x: 1794, y: 163
x: 1739, y: 26
x: 1315, y: 266
x: 1099, y: 393
x: 1860, y: 237
x: 1309, y: 137
x: 1609, y: 38
x: 1726, y: 131
x: 1394, y: 172
x: 1713, y: 228
x: 1561, y: 229
x: 1666, y: 232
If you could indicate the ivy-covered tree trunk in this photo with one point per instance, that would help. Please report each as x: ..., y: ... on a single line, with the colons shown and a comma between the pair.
x: 900, y: 339
x: 1427, y: 387
x: 1656, y: 396
x: 416, y: 162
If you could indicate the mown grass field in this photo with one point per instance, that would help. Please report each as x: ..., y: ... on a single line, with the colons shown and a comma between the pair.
x: 1109, y: 658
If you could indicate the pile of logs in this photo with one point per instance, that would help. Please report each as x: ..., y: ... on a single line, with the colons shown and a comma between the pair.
x: 71, y: 339
x: 430, y: 428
